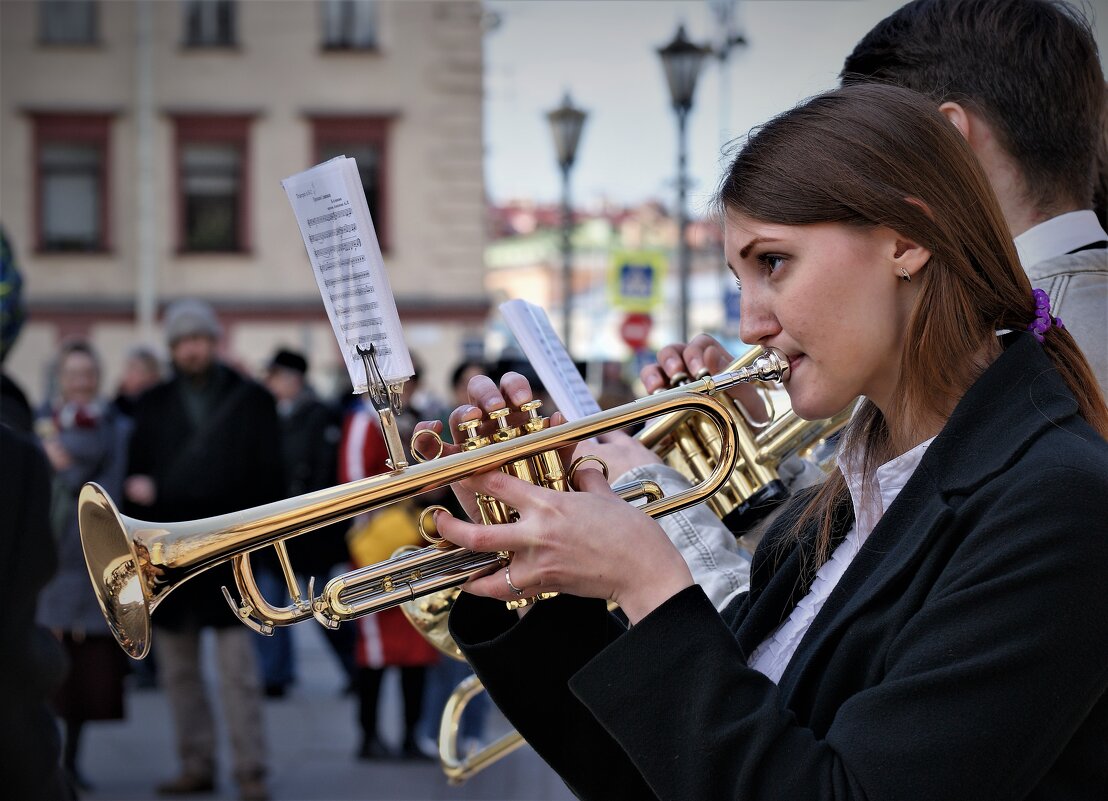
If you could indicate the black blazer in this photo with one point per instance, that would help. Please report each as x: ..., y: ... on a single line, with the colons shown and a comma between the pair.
x: 963, y: 655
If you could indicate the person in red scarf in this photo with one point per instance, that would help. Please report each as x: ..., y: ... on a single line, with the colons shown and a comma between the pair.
x: 385, y: 639
x: 85, y: 439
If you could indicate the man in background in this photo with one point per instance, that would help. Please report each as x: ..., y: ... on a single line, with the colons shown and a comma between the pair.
x: 205, y: 443
x: 1022, y: 81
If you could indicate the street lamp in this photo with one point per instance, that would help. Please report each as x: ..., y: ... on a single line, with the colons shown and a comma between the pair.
x: 566, y: 123
x: 682, y: 60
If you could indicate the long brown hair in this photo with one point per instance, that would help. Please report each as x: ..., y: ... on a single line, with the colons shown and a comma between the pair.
x: 872, y: 155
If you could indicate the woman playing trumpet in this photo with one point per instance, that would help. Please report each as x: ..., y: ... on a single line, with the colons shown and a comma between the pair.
x: 929, y: 622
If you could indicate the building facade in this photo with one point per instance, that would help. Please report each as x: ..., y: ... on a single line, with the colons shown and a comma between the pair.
x: 143, y: 144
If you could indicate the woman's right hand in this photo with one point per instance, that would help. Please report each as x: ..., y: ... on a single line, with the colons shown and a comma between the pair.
x: 701, y: 356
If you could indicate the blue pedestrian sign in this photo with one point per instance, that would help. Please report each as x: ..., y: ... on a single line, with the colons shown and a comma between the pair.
x: 635, y: 280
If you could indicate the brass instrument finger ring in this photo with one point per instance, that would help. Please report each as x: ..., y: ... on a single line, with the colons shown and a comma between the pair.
x: 427, y: 528
x: 508, y: 578
x: 573, y: 468
x: 425, y: 432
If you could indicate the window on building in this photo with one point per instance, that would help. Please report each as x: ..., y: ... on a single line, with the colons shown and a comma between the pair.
x: 209, y: 23
x: 71, y: 182
x: 349, y: 24
x: 67, y: 21
x: 212, y: 179
x: 364, y: 139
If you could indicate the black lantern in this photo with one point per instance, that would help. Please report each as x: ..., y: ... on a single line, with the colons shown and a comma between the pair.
x: 682, y: 60
x: 566, y: 123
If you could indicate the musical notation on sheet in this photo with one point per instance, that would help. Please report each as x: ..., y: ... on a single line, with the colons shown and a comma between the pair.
x: 338, y: 234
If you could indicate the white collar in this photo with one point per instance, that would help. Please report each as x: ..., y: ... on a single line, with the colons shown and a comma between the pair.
x: 871, y: 498
x: 1057, y: 236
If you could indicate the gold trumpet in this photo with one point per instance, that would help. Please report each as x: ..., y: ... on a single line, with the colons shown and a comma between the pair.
x: 135, y: 564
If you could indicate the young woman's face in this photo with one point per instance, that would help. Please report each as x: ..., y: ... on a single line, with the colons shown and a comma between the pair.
x: 830, y: 296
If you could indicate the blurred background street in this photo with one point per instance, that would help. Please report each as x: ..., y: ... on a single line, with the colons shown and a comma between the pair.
x: 313, y: 742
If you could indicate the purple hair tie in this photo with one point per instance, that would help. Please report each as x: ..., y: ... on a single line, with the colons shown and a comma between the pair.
x: 1043, y: 321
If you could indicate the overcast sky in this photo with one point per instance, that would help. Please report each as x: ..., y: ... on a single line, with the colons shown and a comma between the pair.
x: 604, y: 53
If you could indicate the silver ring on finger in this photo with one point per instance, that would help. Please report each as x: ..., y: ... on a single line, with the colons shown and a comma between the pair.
x: 508, y: 578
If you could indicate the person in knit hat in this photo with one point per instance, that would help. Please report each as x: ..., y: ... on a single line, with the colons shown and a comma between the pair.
x: 206, y: 442
x: 191, y: 318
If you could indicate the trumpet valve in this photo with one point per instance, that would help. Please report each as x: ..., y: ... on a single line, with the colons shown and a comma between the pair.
x: 472, y: 439
x: 551, y: 472
x: 504, y: 431
x: 535, y: 421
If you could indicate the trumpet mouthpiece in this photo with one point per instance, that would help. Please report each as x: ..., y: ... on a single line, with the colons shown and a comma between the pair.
x: 771, y: 365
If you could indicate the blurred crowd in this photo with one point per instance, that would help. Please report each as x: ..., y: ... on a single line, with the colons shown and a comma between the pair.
x: 193, y: 438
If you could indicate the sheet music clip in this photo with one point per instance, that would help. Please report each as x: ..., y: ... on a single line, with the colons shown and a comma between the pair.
x: 386, y: 400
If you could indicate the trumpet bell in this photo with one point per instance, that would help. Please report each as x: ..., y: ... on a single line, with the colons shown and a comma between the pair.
x: 115, y: 567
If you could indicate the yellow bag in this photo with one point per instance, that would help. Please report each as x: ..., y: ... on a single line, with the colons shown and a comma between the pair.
x: 378, y: 538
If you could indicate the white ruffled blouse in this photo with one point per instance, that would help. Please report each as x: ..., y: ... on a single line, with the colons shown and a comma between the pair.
x: 871, y: 499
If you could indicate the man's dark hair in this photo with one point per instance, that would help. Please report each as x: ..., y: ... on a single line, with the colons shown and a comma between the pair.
x: 1028, y: 67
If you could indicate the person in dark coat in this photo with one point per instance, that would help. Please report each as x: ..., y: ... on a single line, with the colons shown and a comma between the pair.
x: 141, y: 370
x: 206, y: 442
x: 310, y: 434
x: 386, y: 639
x: 15, y: 410
x: 33, y: 664
x: 930, y: 621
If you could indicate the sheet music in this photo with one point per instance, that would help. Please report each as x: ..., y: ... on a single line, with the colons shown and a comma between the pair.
x: 342, y: 246
x: 548, y: 356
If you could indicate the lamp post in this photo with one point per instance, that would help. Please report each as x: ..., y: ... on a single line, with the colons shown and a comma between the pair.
x: 566, y: 123
x: 681, y: 60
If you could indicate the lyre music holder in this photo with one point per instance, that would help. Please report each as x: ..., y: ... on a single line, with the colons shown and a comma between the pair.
x: 386, y: 399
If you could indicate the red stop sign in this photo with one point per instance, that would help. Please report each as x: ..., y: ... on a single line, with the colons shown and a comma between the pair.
x: 635, y: 329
